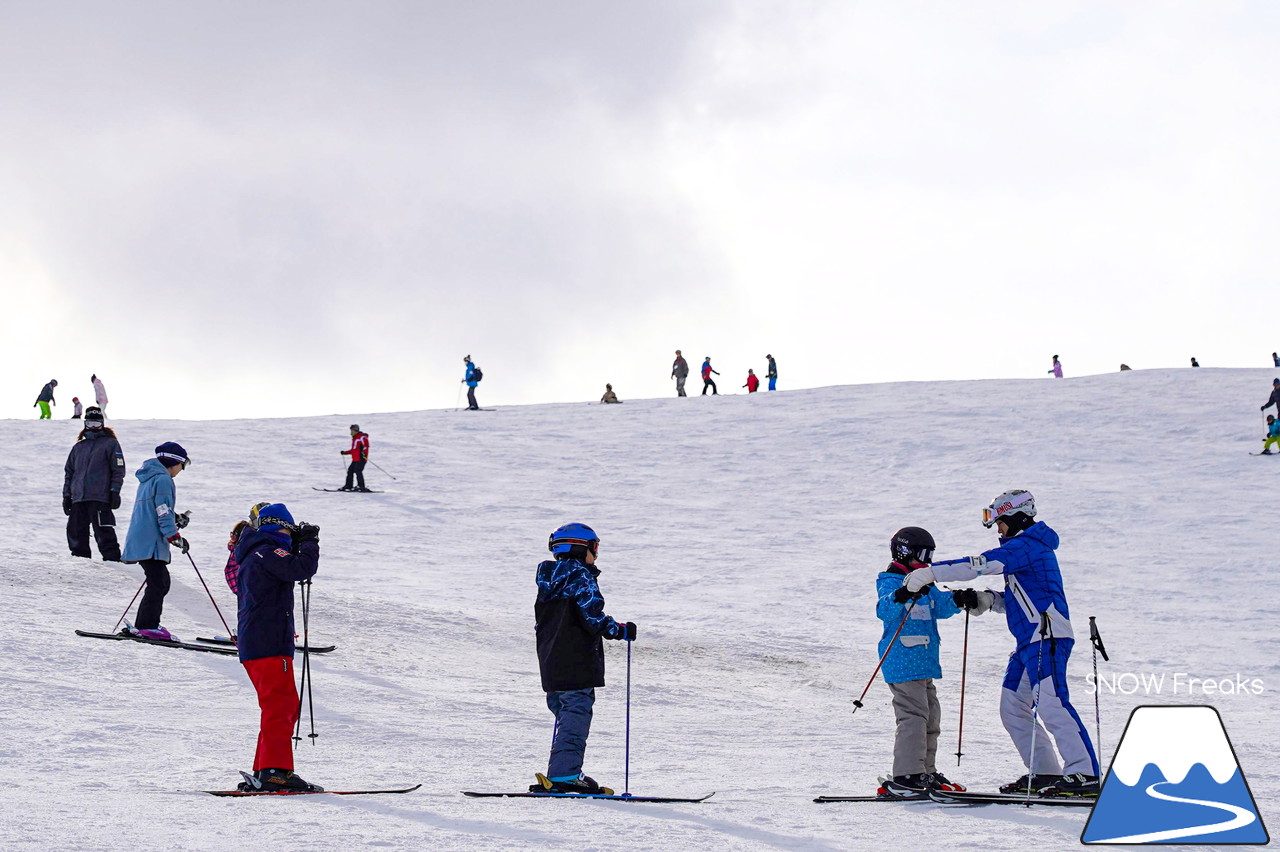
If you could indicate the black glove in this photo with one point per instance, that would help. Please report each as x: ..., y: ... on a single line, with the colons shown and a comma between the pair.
x: 965, y: 598
x: 66, y: 506
x: 629, y: 631
x: 902, y: 595
x: 115, y: 499
x: 182, y: 519
x: 306, y: 532
x: 180, y: 543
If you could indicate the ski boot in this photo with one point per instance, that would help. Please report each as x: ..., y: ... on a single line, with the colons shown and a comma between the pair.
x: 284, y: 781
x: 581, y: 785
x: 1084, y: 786
x: 1021, y: 785
x: 905, y: 786
x: 938, y: 781
x: 159, y: 633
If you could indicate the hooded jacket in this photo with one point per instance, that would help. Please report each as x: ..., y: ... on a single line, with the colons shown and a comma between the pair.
x: 94, y: 469
x: 570, y: 623
x: 914, y: 655
x: 269, y: 566
x: 152, y: 523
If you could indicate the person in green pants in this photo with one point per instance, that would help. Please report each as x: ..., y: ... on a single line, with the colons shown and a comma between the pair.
x: 45, y: 399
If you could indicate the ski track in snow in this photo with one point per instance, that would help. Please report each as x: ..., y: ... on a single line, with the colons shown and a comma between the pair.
x: 742, y: 533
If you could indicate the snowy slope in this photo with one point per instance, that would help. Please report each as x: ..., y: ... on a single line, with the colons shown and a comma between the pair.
x: 742, y: 533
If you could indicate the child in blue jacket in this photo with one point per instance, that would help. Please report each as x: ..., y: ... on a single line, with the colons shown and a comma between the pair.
x: 1273, y: 434
x: 911, y: 664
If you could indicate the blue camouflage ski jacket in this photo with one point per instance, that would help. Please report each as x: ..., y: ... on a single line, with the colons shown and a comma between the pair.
x: 570, y: 622
x: 915, y: 654
x: 269, y: 566
x: 152, y: 523
x: 470, y: 378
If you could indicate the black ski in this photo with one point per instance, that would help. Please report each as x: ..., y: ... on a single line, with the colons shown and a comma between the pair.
x: 224, y: 641
x: 347, y: 490
x: 1264, y: 454
x: 966, y: 798
x: 190, y: 646
x: 614, y: 797
x: 826, y: 800
x: 308, y: 793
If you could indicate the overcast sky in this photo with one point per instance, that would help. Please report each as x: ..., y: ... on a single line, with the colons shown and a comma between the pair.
x: 241, y: 209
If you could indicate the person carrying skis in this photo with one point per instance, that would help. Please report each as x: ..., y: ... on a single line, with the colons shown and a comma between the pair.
x: 152, y: 528
x: 1273, y: 435
x: 1035, y: 695
x: 91, y: 489
x: 99, y: 393
x: 1274, y: 399
x: 706, y: 378
x: 680, y: 372
x: 1056, y: 369
x: 609, y: 396
x: 753, y: 382
x: 911, y: 664
x: 570, y: 623
x: 45, y: 399
x: 772, y: 373
x: 272, y: 558
x: 471, y: 379
x: 359, y: 453
x: 77, y: 409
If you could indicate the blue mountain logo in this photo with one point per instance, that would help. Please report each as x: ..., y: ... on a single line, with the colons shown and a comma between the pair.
x: 1175, y: 779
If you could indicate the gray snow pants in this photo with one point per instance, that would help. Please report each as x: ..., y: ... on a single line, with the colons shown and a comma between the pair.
x: 919, y: 718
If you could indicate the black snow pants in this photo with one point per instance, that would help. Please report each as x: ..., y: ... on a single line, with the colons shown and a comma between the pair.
x: 95, y: 515
x: 152, y: 606
x: 356, y: 469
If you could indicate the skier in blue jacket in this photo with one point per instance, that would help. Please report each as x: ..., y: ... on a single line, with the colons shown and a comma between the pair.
x: 911, y: 664
x: 1035, y: 695
x: 471, y: 379
x: 154, y: 526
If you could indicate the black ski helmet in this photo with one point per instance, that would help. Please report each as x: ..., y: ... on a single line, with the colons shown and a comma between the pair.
x: 912, y: 543
x: 93, y: 418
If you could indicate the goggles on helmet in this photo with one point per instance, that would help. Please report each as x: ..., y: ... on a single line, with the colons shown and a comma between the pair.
x: 1009, y: 503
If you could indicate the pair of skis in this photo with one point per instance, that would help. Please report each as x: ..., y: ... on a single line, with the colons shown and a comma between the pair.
x: 209, y: 645
x: 612, y: 797
x: 945, y: 797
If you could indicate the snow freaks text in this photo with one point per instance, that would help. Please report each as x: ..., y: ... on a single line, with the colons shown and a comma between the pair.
x: 1178, y: 683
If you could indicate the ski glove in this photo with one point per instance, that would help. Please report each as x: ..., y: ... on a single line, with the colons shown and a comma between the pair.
x: 179, y: 542
x: 974, y: 600
x: 629, y: 631
x: 66, y: 506
x: 919, y: 578
x: 902, y: 595
x: 115, y: 499
x: 182, y: 519
x: 306, y: 532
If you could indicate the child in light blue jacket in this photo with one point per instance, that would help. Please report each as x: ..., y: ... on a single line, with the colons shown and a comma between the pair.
x: 910, y: 665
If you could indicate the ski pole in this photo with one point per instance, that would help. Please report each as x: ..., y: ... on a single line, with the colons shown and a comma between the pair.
x: 1035, y: 704
x: 626, y: 772
x: 457, y: 403
x: 129, y: 607
x: 858, y: 701
x: 306, y: 683
x: 964, y: 670
x: 1095, y: 639
x: 375, y: 464
x: 230, y: 635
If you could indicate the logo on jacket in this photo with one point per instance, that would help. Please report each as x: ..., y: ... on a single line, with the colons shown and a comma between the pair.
x: 1175, y: 778
x: 280, y: 551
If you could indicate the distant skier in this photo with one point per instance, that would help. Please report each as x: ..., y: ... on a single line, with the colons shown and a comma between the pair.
x: 1056, y: 369
x: 1194, y: 362
x: 99, y: 393
x: 45, y: 399
x: 772, y: 373
x: 680, y: 372
x: 609, y: 396
x: 359, y: 453
x: 78, y: 409
x: 1273, y: 435
x: 472, y: 378
x: 753, y: 382
x: 1274, y: 399
x: 706, y: 378
x: 570, y: 622
x: 1035, y: 695
x: 1125, y: 368
x: 154, y: 526
x: 279, y: 553
x: 1275, y: 358
x: 91, y: 485
x: 912, y: 664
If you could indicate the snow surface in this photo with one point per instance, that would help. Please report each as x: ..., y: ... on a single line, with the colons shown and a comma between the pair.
x: 742, y: 533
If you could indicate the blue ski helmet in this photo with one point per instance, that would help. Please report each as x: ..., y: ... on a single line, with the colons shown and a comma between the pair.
x: 563, y: 540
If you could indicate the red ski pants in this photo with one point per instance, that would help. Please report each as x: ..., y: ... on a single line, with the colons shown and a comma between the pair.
x: 278, y: 697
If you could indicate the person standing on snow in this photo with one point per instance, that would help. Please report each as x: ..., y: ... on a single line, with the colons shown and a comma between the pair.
x: 680, y: 372
x: 1274, y: 399
x: 772, y: 373
x: 706, y: 378
x: 1056, y: 369
x: 359, y: 453
x: 1194, y: 362
x: 99, y: 393
x: 471, y: 379
x: 1035, y: 695
x: 77, y: 409
x: 45, y: 399
x: 753, y: 382
x: 570, y: 623
x: 1273, y: 435
x: 152, y: 528
x: 1275, y: 358
x: 911, y: 665
x: 272, y: 558
x: 91, y: 489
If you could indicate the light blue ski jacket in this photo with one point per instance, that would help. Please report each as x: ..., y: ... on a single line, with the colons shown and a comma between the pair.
x: 152, y: 522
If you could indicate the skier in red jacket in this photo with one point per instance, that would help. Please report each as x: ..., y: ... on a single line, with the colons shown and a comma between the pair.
x: 359, y: 453
x: 753, y: 381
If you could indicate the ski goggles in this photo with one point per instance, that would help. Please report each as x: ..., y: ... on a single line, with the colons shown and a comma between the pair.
x: 996, y: 511
x: 175, y: 457
x: 593, y: 545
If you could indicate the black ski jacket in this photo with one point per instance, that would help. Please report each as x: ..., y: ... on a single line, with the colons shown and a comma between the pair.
x: 570, y: 622
x: 1274, y: 399
x: 94, y: 469
x: 46, y: 393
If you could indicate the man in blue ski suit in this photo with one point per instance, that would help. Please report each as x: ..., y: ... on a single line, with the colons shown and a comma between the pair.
x: 570, y: 623
x: 1035, y: 695
x: 472, y: 378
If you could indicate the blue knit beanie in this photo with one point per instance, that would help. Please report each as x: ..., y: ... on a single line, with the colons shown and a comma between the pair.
x: 269, y: 518
x: 171, y: 454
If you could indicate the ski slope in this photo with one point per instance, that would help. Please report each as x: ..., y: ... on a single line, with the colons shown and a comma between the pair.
x: 742, y: 533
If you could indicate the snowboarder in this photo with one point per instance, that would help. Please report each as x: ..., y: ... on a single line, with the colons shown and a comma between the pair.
x: 609, y: 396
x: 359, y: 453
x: 1035, y: 695
x: 77, y: 409
x: 99, y: 393
x: 706, y: 378
x: 1274, y: 399
x: 152, y: 528
x: 1273, y: 434
x: 912, y: 664
x: 570, y: 623
x: 680, y: 372
x: 753, y: 382
x: 1056, y: 369
x: 272, y: 558
x: 472, y: 378
x: 91, y: 489
x: 45, y: 399
x: 1194, y: 362
x: 772, y: 373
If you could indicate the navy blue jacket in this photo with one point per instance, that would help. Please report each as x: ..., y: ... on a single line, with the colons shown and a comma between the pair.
x: 94, y: 469
x: 570, y: 622
x: 268, y: 570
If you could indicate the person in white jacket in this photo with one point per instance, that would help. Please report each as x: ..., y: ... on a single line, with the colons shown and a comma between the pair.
x: 99, y: 393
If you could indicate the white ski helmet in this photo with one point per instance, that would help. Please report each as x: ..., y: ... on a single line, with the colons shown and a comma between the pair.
x: 1009, y: 503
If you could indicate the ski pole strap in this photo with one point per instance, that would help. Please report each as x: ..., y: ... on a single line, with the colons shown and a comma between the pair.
x: 1096, y: 638
x: 1044, y: 625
